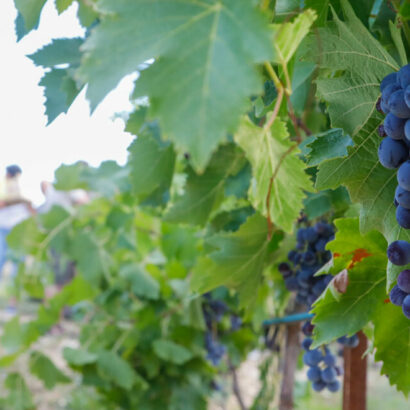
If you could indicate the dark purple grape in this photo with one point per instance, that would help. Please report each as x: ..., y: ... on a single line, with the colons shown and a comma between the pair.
x: 291, y: 283
x: 403, y: 217
x: 313, y: 374
x: 381, y: 131
x: 398, y: 253
x: 307, y: 328
x: 403, y: 76
x: 403, y: 176
x: 328, y: 375
x: 392, y: 153
x: 403, y: 280
x: 318, y: 386
x: 312, y: 357
x: 379, y: 106
x: 389, y: 79
x: 320, y: 245
x: 398, y: 106
x: 402, y: 197
x: 406, y: 306
x: 306, y: 343
x: 311, y: 235
x: 397, y: 296
x: 300, y: 235
x: 309, y: 258
x: 394, y: 126
x: 285, y: 269
x: 334, y: 386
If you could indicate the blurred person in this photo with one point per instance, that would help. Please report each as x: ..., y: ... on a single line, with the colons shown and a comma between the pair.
x: 14, y: 208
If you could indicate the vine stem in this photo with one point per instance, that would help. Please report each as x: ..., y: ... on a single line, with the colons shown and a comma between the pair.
x: 235, y: 386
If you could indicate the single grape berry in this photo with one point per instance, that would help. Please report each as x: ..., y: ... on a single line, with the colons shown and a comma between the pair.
x: 285, y: 269
x: 314, y: 373
x: 403, y: 175
x: 389, y: 79
x: 334, y: 386
x: 307, y: 343
x: 398, y: 253
x: 403, y: 76
x: 328, y: 375
x: 307, y: 328
x: 392, y: 153
x: 397, y: 296
x: 329, y: 360
x: 403, y: 280
x: 388, y: 91
x: 403, y: 217
x: 402, y: 197
x: 394, y: 126
x: 318, y: 386
x: 397, y: 105
x: 406, y: 306
x: 312, y: 357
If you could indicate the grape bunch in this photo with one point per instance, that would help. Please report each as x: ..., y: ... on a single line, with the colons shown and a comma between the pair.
x: 308, y: 257
x: 323, y: 371
x: 394, y: 148
x: 398, y: 253
x: 214, y: 310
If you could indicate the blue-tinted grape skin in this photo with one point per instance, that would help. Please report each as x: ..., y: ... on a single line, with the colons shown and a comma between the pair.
x: 328, y: 375
x: 403, y: 280
x: 389, y: 79
x: 329, y: 359
x: 397, y: 296
x: 307, y: 343
x: 312, y: 357
x: 407, y: 130
x: 314, y: 374
x: 403, y: 176
x: 392, y: 153
x: 402, y: 197
x: 403, y: 217
x: 406, y: 95
x: 403, y: 76
x: 318, y: 386
x: 397, y: 105
x: 388, y: 91
x: 406, y: 306
x: 394, y: 126
x: 334, y: 386
x: 398, y: 253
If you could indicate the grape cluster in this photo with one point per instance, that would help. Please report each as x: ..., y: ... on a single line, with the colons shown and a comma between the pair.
x: 323, y: 371
x: 398, y: 253
x: 214, y: 310
x: 308, y: 257
x: 394, y: 148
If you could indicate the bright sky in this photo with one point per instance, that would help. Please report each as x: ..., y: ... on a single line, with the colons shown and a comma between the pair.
x: 24, y: 137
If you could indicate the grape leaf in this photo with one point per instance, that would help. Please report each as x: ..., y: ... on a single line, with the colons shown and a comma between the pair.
x: 194, y: 43
x: 63, y: 5
x: 142, y: 283
x: 60, y: 91
x: 19, y: 397
x: 366, y: 291
x: 68, y: 177
x: 204, y: 192
x: 78, y: 357
x: 327, y: 145
x: 289, y: 35
x: 45, y: 370
x: 115, y: 369
x: 392, y: 344
x: 30, y: 10
x: 152, y: 163
x: 171, y: 352
x: 59, y: 51
x: 273, y: 156
x: 236, y: 260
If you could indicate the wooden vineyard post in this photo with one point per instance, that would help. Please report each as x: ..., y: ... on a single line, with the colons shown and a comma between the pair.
x: 355, y: 372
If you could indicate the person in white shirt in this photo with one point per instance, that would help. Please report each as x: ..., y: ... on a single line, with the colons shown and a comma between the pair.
x: 13, y: 208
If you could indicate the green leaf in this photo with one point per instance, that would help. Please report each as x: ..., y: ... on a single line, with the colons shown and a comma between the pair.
x: 90, y: 256
x: 26, y: 237
x: 60, y: 91
x: 392, y: 344
x: 69, y: 177
x: 46, y: 371
x: 289, y: 35
x: 59, y: 51
x: 30, y: 10
x: 19, y: 397
x: 350, y: 47
x: 365, y: 258
x: 78, y: 357
x: 63, y: 5
x: 142, y: 283
x: 171, y: 352
x: 152, y: 163
x: 322, y: 9
x: 395, y: 32
x: 115, y: 369
x: 193, y: 43
x: 236, y: 260
x: 205, y: 192
x: 327, y: 145
x: 274, y: 158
